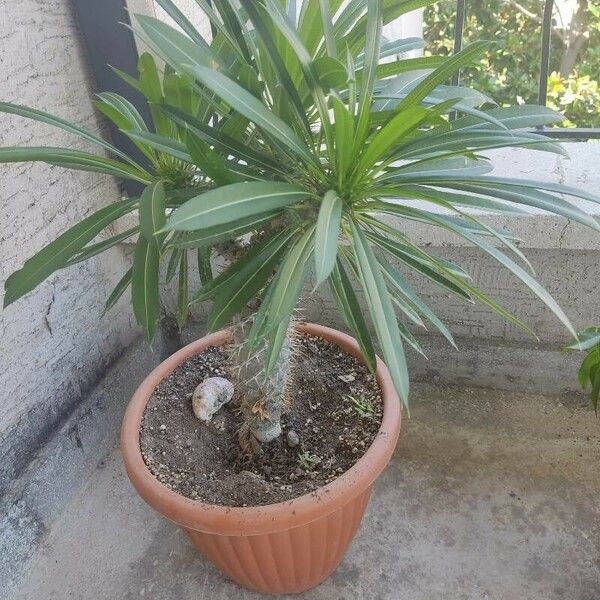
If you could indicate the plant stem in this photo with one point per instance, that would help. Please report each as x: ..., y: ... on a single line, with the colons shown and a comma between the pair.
x: 262, y: 398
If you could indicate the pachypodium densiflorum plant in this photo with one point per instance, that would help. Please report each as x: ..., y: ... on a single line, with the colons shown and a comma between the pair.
x: 302, y: 132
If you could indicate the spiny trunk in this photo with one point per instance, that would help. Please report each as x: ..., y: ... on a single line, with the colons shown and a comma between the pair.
x: 262, y: 398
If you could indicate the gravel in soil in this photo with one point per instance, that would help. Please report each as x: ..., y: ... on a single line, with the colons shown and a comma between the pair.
x: 334, y: 416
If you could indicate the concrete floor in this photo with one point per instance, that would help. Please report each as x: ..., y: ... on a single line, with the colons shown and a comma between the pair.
x: 490, y: 495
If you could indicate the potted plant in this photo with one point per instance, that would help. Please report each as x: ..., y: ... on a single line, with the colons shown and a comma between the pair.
x: 290, y: 146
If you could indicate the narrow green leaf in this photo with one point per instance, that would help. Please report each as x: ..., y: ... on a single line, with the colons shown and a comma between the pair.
x: 399, y: 126
x: 290, y: 279
x: 223, y: 142
x: 245, y: 284
x: 402, y: 285
x: 344, y: 137
x: 252, y: 108
x: 443, y: 73
x: 118, y: 291
x: 330, y: 72
x: 586, y: 339
x: 57, y: 253
x: 171, y: 45
x: 372, y: 46
x: 99, y: 247
x: 221, y: 233
x: 44, y: 117
x: 382, y: 313
x: 165, y: 144
x: 205, y: 273
x: 348, y: 305
x: 228, y: 203
x: 326, y: 235
x: 144, y: 286
x: 212, y: 163
x: 73, y: 159
x: 152, y: 213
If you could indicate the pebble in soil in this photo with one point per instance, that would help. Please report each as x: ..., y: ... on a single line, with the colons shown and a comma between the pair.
x: 335, y: 414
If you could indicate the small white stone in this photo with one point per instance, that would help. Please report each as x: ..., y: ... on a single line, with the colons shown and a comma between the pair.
x: 292, y: 438
x: 347, y: 378
x: 210, y: 396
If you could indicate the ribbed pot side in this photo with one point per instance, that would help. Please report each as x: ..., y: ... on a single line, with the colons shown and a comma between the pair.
x: 287, y: 547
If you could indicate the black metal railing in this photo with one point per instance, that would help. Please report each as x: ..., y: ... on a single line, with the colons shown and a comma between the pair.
x: 573, y: 133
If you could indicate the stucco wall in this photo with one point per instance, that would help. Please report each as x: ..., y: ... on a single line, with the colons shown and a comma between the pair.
x: 53, y: 344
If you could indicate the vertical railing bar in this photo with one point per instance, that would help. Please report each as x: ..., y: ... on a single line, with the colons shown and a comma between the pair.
x: 459, y: 25
x: 545, y: 58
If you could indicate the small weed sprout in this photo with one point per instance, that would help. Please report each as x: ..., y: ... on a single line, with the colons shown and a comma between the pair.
x: 362, y: 406
x: 308, y: 461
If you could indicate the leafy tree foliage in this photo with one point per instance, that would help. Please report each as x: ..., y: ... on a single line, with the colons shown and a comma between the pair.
x: 509, y: 71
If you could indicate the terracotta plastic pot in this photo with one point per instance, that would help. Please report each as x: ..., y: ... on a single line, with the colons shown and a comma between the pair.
x: 279, y: 548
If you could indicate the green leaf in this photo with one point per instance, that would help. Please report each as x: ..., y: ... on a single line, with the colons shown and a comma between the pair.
x: 221, y: 233
x: 151, y: 87
x: 382, y: 313
x: 95, y: 249
x: 532, y: 197
x: 212, y: 163
x: 443, y: 73
x: 152, y: 213
x: 402, y: 285
x: 172, y: 46
x: 124, y: 115
x: 73, y: 159
x: 244, y: 265
x: 395, y: 47
x: 326, y: 235
x: 348, y: 305
x: 204, y: 265
x: 165, y: 144
x: 287, y: 84
x: 586, y: 340
x: 44, y: 117
x: 179, y: 92
x: 173, y: 263
x: 228, y: 203
x: 310, y: 27
x: 404, y: 65
x: 404, y: 122
x: 223, y: 142
x: 344, y: 137
x: 512, y: 117
x: 56, y: 254
x: 330, y: 72
x: 118, y: 291
x: 422, y: 263
x: 252, y: 108
x: 326, y: 21
x: 290, y: 279
x: 144, y: 286
x: 127, y: 78
x: 372, y: 47
x: 525, y: 277
x: 247, y: 281
x: 173, y: 11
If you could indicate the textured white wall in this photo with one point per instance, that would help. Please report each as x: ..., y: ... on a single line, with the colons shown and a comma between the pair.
x: 52, y: 342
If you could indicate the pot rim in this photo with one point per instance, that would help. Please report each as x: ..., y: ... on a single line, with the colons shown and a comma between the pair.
x: 255, y: 520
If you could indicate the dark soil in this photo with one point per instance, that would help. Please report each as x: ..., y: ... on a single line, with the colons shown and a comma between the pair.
x: 336, y: 412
